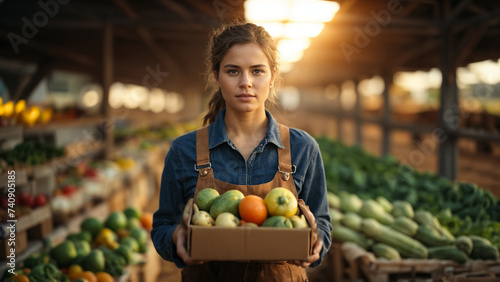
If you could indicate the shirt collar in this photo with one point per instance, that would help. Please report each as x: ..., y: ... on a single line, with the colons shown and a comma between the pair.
x: 218, y: 134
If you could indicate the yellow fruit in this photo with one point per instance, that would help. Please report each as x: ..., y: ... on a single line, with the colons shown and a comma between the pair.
x: 29, y: 116
x: 281, y: 201
x: 8, y: 109
x: 45, y: 116
x: 88, y: 275
x: 19, y: 107
x: 74, y: 271
x: 104, y: 277
x: 107, y: 237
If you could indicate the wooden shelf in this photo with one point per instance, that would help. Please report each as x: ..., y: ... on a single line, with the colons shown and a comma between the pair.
x: 11, y: 132
x: 52, y: 126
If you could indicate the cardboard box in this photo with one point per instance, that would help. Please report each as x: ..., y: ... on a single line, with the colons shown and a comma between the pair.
x: 248, y: 243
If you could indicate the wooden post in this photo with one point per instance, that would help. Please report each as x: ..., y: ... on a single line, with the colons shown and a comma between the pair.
x: 386, y: 133
x: 449, y: 110
x: 357, y: 113
x: 339, y: 116
x: 107, y: 79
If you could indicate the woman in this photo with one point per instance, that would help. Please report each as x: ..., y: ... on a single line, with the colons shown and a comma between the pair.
x: 242, y: 148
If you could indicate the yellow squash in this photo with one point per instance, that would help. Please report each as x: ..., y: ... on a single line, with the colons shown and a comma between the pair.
x: 281, y: 201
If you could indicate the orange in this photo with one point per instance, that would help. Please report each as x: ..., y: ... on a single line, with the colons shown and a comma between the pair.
x: 147, y: 220
x: 88, y: 275
x: 74, y: 271
x: 104, y: 277
x: 18, y: 278
x: 252, y: 208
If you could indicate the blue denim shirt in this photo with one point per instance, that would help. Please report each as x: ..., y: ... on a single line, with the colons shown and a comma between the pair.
x: 179, y: 178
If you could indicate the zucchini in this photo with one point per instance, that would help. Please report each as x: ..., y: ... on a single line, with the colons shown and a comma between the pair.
x: 464, y: 243
x: 430, y: 237
x: 386, y: 205
x: 349, y: 202
x: 371, y: 209
x: 333, y: 200
x: 406, y: 246
x: 483, y: 249
x: 345, y: 234
x: 385, y: 251
x: 403, y: 208
x: 484, y: 252
x: 478, y: 240
x: 425, y: 217
x: 352, y: 220
x: 405, y: 225
x: 336, y: 216
x: 447, y: 253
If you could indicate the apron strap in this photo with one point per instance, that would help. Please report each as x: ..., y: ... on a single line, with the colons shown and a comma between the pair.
x: 285, y: 166
x: 202, y: 151
x: 203, y: 164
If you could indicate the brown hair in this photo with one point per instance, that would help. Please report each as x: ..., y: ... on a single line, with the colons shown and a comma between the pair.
x: 221, y: 41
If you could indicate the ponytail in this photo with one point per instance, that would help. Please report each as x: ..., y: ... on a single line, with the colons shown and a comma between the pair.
x: 215, y: 105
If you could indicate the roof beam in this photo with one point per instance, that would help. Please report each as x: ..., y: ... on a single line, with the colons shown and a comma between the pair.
x: 408, y: 9
x: 354, y: 20
x: 43, y: 69
x: 178, y: 9
x: 204, y: 8
x: 492, y: 17
x: 58, y: 52
x: 457, y: 10
x: 416, y: 52
x: 469, y: 42
x: 12, y: 81
x: 148, y: 37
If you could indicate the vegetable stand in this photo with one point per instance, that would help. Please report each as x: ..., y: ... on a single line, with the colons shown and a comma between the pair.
x: 79, y: 185
x: 385, y: 232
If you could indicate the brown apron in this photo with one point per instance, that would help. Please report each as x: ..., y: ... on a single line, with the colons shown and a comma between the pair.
x: 245, y: 271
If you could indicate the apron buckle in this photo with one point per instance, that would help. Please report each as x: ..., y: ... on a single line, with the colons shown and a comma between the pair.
x: 203, y: 170
x: 286, y: 175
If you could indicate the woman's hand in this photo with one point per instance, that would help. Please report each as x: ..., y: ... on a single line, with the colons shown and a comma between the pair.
x: 312, y: 257
x: 179, y: 239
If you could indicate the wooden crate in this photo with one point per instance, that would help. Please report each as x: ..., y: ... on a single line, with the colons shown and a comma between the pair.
x: 150, y: 270
x: 21, y: 243
x: 34, y: 226
x: 139, y: 191
x: 43, y: 180
x: 360, y: 265
x: 147, y: 270
x: 118, y: 199
x: 480, y: 276
x: 349, y: 260
x: 477, y: 270
x: 326, y: 271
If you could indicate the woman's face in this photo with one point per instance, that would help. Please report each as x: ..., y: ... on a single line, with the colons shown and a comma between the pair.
x: 244, y: 78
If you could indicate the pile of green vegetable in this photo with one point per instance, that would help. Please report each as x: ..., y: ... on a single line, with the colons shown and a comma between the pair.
x: 394, y: 230
x: 100, y: 246
x: 461, y: 208
x: 31, y: 153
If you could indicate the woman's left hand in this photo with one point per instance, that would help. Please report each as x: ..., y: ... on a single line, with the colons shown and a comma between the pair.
x: 312, y: 257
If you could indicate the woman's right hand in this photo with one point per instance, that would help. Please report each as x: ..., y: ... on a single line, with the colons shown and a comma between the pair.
x: 179, y: 238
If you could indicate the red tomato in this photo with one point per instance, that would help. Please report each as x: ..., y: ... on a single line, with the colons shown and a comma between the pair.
x: 40, y: 200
